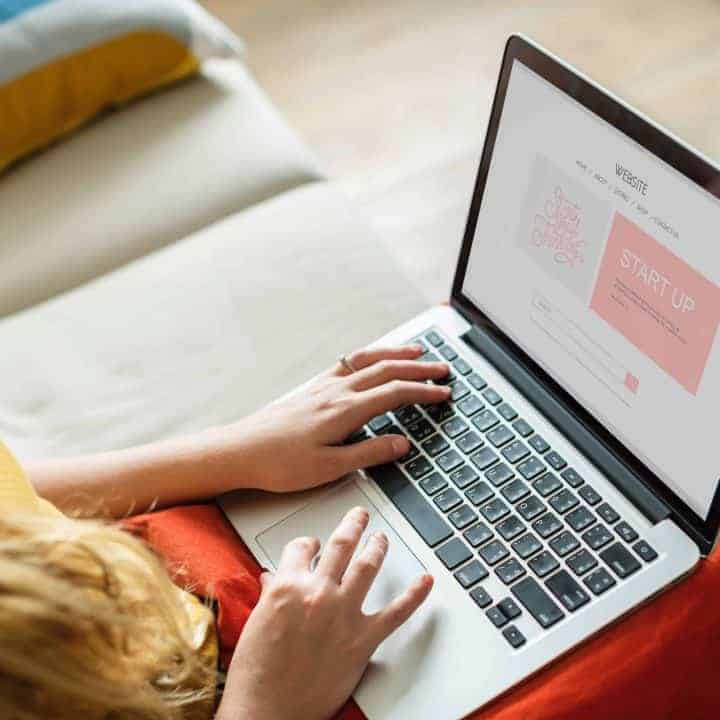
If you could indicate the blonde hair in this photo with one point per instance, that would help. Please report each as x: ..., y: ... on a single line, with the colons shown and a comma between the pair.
x: 92, y: 627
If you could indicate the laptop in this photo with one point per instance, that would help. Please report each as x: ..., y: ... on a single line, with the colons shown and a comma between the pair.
x: 573, y: 475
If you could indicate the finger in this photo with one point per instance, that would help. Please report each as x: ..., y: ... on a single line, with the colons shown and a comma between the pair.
x: 390, y: 618
x: 391, y: 396
x: 364, y: 569
x: 360, y: 359
x: 387, y: 370
x: 340, y: 547
x: 298, y: 554
x: 374, y: 451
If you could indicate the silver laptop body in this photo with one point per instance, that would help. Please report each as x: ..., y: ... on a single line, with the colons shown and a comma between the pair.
x: 580, y: 433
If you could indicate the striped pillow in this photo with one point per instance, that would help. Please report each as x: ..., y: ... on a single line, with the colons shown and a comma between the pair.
x: 64, y: 61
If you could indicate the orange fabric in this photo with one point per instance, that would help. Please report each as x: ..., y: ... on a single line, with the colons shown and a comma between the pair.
x: 660, y: 663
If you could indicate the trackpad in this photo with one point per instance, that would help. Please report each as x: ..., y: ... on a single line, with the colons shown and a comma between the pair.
x: 321, y: 517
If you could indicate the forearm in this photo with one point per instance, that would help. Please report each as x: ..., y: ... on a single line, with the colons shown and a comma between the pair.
x: 135, y: 480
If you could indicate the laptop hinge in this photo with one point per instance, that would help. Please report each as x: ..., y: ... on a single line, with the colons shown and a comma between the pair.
x: 587, y: 442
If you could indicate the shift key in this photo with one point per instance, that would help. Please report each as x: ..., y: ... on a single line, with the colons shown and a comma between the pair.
x: 409, y: 501
x: 537, y: 602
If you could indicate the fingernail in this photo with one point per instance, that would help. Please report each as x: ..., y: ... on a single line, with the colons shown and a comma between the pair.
x: 448, y: 390
x: 360, y: 514
x: 381, y: 537
x: 400, y: 446
x: 416, y: 348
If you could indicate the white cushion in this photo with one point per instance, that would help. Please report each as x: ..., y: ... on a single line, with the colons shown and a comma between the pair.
x: 201, y: 332
x: 140, y: 178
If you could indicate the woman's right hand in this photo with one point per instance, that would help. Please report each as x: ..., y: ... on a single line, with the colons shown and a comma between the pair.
x: 308, y: 642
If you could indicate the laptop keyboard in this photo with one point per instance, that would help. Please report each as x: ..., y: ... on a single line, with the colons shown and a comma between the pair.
x: 490, y: 495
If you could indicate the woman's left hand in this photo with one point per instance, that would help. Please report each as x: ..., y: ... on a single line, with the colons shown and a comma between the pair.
x: 297, y: 443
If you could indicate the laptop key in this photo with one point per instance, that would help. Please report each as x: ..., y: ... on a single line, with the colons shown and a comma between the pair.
x: 526, y: 545
x: 477, y: 381
x: 493, y: 552
x: 453, y: 428
x: 433, y: 483
x: 513, y: 636
x: 355, y: 437
x: 515, y: 452
x: 580, y: 518
x: 408, y: 414
x: 608, y: 514
x: 391, y: 429
x: 496, y: 616
x: 537, y: 602
x: 462, y: 366
x: 435, y: 445
x: 485, y: 420
x: 531, y: 468
x: 555, y: 460
x: 421, y: 429
x: 479, y: 493
x: 481, y: 597
x: 492, y: 396
x: 462, y: 517
x: 510, y: 571
x: 620, y: 560
x: 464, y: 477
x: 448, y: 353
x: 453, y: 553
x: 439, y: 413
x: 514, y: 491
x: 510, y: 528
x: 470, y: 405
x: 434, y: 338
x: 509, y: 608
x: 571, y: 476
x: 484, y: 458
x: 414, y: 507
x: 543, y: 564
x: 563, y: 502
x: 643, y: 549
x: 507, y: 411
x: 626, y: 532
x: 500, y: 435
x: 597, y: 537
x: 522, y: 428
x: 589, y: 495
x: 564, y: 543
x: 471, y: 574
x: 499, y: 474
x: 478, y: 534
x: 458, y: 391
x: 418, y: 467
x: 538, y: 444
x: 530, y: 508
x: 546, y: 525
x: 581, y: 562
x: 379, y: 423
x: 447, y: 500
x: 449, y: 461
x: 599, y: 581
x: 547, y: 484
x: 495, y: 510
x: 567, y: 590
x: 469, y: 442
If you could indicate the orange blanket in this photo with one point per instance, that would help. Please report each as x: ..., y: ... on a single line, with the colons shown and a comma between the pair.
x: 660, y: 663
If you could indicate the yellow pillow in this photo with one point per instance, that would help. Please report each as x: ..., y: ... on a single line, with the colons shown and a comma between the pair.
x: 64, y: 61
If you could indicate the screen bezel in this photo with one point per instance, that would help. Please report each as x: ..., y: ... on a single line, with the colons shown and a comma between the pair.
x: 657, y: 141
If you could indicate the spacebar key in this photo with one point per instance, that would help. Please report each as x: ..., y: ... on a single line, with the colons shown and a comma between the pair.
x: 408, y: 500
x: 537, y: 602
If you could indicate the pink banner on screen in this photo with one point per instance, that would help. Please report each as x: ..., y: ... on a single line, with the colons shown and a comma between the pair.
x: 664, y: 307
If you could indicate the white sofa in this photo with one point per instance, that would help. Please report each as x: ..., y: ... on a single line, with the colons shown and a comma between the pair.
x: 177, y: 264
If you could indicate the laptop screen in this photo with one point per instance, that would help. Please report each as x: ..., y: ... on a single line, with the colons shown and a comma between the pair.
x: 602, y: 263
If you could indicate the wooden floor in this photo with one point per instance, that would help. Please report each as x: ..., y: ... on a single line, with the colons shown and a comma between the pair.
x: 393, y: 95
